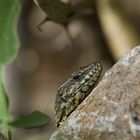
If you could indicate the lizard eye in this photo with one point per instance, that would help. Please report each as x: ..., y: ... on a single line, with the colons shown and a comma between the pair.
x: 76, y: 77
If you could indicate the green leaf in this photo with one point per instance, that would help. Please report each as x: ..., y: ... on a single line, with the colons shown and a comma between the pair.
x: 4, y: 114
x: 9, y: 42
x: 35, y: 119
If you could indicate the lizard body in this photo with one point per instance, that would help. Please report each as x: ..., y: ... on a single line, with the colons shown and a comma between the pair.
x: 75, y: 90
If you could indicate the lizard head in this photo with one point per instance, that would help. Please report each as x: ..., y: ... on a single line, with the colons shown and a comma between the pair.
x: 76, y: 89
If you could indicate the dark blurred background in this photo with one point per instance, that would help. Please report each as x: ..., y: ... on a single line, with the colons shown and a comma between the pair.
x: 47, y: 58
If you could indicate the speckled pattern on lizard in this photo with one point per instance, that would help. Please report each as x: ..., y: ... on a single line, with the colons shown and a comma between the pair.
x: 75, y: 90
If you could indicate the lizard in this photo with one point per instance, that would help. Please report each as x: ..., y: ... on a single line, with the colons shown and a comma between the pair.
x: 75, y: 90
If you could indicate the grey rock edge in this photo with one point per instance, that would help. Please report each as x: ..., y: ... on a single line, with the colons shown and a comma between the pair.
x: 112, y: 110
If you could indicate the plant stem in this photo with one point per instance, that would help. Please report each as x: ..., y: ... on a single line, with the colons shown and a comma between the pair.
x: 9, y: 135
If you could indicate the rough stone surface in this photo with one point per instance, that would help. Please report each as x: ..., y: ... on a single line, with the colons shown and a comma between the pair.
x: 112, y: 110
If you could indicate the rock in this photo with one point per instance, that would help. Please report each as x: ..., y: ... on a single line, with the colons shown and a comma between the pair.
x: 112, y: 110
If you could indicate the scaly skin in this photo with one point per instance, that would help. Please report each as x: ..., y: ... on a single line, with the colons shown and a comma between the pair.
x: 75, y: 90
